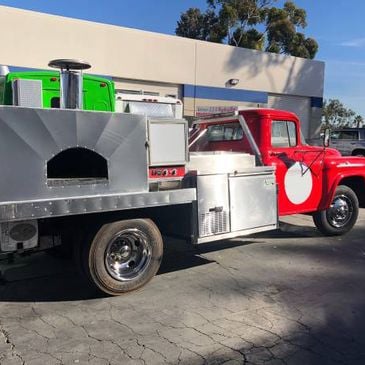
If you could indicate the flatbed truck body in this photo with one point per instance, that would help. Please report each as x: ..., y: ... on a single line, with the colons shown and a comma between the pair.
x: 82, y: 178
x: 107, y: 185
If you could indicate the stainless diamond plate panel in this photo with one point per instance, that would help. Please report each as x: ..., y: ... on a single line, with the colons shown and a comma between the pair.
x: 153, y: 110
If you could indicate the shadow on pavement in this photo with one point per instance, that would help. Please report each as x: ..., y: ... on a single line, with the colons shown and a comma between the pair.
x: 319, y: 317
x: 288, y: 230
x: 178, y: 255
x: 43, y: 278
x: 310, y: 290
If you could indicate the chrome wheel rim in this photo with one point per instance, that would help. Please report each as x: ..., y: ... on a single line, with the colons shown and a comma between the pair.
x: 340, y: 211
x: 127, y: 255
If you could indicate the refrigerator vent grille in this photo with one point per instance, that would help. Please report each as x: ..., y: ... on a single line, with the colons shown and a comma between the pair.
x: 213, y: 223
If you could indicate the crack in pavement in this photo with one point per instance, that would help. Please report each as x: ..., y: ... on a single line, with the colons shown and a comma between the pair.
x: 180, y: 346
x: 8, y: 341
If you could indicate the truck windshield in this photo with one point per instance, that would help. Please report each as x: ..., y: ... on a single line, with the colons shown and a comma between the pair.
x: 219, y: 137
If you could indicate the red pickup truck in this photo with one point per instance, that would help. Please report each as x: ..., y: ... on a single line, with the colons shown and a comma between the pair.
x: 311, y: 179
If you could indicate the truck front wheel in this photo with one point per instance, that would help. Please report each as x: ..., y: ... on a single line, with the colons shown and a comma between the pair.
x: 123, y: 256
x: 342, y: 214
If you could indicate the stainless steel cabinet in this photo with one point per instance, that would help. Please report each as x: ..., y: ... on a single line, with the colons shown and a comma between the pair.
x: 231, y: 203
x: 252, y: 201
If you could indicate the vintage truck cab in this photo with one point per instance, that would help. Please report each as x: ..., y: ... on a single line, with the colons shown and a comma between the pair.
x: 310, y: 179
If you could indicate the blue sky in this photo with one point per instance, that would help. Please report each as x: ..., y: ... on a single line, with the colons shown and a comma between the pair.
x: 337, y: 25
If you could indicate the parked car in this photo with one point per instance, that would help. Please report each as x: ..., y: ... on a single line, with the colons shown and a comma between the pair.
x: 349, y: 141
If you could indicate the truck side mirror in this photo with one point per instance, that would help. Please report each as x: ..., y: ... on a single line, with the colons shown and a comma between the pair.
x: 326, y: 137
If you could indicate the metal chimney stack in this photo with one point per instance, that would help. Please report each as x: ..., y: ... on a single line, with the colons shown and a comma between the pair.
x: 71, y: 82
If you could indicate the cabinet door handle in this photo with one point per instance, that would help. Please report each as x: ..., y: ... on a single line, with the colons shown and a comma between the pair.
x: 216, y: 209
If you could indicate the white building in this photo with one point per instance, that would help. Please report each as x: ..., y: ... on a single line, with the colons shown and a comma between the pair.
x: 197, y: 72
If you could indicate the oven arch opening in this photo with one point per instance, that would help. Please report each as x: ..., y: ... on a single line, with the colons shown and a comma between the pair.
x: 76, y: 166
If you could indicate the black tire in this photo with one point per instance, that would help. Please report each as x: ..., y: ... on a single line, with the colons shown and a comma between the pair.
x: 341, y: 216
x: 123, y: 256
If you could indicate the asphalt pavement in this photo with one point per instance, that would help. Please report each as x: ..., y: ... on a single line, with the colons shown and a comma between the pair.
x: 286, y: 297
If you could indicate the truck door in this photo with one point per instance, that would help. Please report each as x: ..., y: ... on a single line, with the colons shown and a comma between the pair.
x: 298, y: 168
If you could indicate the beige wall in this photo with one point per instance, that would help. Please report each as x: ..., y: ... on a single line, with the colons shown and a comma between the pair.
x: 33, y: 39
x: 259, y: 71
